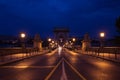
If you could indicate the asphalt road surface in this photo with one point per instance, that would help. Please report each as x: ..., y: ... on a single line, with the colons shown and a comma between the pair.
x: 61, y: 65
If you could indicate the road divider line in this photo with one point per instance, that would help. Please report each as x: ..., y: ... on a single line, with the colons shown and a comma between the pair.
x: 75, y: 70
x: 64, y: 76
x: 50, y: 74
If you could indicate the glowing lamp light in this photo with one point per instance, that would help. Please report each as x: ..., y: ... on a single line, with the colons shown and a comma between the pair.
x: 53, y: 42
x: 22, y: 35
x: 49, y: 39
x: 74, y: 39
x: 102, y: 34
x: 59, y: 50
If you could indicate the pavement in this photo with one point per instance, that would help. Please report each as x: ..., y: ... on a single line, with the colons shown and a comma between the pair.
x: 19, y: 56
x: 105, y: 56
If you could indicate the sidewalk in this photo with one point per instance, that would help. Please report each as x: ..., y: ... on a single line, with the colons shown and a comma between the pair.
x: 18, y: 57
x: 106, y: 56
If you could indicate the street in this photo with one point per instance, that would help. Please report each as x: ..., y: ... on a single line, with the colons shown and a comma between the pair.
x: 64, y: 65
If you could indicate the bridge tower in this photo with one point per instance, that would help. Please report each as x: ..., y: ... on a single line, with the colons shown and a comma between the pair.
x: 61, y: 35
x: 86, y: 42
x: 37, y: 42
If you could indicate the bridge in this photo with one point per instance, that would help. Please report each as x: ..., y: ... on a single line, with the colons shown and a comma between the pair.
x: 60, y: 60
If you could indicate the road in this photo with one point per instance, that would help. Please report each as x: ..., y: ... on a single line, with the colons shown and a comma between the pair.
x: 63, y: 65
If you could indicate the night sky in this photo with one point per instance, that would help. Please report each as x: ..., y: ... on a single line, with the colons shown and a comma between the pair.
x: 41, y: 16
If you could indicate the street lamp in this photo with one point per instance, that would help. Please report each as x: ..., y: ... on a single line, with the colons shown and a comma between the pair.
x: 102, y: 35
x: 49, y: 46
x: 49, y: 39
x: 73, y: 43
x: 73, y: 39
x: 53, y: 42
x: 23, y: 35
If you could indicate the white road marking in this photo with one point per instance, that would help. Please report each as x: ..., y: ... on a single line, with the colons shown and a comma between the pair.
x: 51, y: 73
x: 64, y: 76
x: 75, y: 70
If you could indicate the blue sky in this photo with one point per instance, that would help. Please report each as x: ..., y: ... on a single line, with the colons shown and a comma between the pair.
x: 41, y: 16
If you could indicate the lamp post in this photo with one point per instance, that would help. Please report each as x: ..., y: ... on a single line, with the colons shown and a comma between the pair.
x: 102, y: 35
x: 49, y: 40
x: 73, y: 39
x: 23, y: 35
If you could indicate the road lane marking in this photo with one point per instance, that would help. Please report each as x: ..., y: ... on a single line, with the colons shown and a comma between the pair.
x: 71, y: 66
x: 75, y: 70
x: 27, y: 67
x: 64, y: 76
x: 50, y: 74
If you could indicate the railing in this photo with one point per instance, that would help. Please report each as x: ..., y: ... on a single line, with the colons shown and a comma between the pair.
x: 107, y: 52
x: 9, y: 51
x: 10, y: 54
